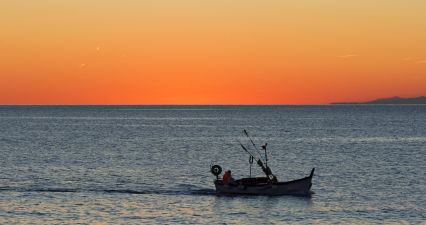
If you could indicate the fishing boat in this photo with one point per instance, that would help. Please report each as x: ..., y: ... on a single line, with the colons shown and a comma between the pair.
x: 267, y: 185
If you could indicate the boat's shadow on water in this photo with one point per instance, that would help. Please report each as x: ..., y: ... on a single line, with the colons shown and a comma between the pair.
x: 301, y: 198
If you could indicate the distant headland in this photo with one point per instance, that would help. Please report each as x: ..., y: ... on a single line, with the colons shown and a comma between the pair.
x: 421, y: 100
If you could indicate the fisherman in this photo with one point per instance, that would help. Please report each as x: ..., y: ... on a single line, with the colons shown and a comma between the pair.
x: 227, y: 177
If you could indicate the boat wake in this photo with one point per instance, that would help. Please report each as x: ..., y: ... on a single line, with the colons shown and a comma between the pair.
x: 175, y: 191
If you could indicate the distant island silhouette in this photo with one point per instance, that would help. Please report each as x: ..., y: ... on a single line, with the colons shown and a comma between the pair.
x: 393, y: 100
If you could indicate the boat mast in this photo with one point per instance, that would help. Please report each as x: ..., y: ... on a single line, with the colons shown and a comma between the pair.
x: 265, y: 169
x: 252, y: 142
x: 266, y: 155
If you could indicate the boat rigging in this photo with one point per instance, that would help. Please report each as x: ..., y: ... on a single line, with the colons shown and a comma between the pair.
x: 267, y: 185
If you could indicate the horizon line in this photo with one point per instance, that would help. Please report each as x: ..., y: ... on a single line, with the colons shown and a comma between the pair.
x: 326, y: 104
x: 194, y: 104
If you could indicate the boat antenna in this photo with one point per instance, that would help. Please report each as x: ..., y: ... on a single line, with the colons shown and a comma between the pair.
x: 254, y: 145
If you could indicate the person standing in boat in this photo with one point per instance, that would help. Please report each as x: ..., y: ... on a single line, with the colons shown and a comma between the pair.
x: 227, y: 178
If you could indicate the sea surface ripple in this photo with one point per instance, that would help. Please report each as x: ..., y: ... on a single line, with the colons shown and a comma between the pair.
x: 150, y: 164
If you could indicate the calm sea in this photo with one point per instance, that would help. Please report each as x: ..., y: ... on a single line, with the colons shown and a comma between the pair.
x: 150, y: 164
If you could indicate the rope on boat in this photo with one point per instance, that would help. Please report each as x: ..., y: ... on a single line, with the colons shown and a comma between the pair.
x: 251, y: 160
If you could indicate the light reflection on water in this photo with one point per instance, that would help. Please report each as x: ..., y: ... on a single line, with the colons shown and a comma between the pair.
x: 133, y: 165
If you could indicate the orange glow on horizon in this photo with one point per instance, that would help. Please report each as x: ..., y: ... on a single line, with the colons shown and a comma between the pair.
x: 219, y: 52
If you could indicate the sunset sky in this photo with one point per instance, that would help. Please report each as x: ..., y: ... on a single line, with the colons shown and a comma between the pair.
x: 210, y: 52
